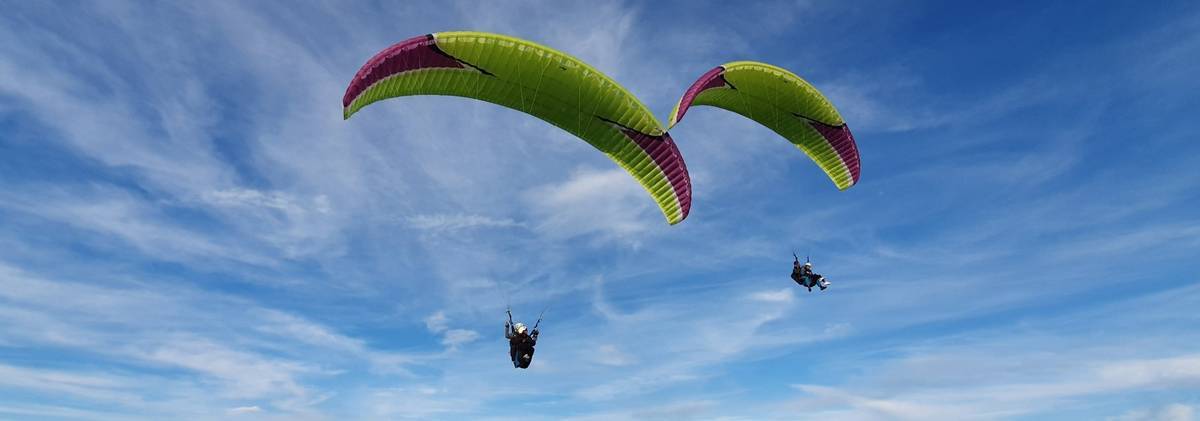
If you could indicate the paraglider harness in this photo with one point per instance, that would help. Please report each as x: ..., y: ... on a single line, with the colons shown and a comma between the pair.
x: 805, y: 276
x: 520, y: 346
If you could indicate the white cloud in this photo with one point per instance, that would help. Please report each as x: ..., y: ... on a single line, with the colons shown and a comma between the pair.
x: 132, y: 222
x: 609, y: 203
x: 783, y: 295
x: 95, y: 385
x: 282, y: 324
x: 888, y: 408
x: 243, y: 374
x: 437, y: 322
x: 611, y: 355
x: 419, y: 402
x: 1172, y: 412
x: 1161, y: 372
x: 443, y: 222
x: 456, y: 337
x: 229, y: 350
x: 946, y: 384
x: 277, y: 200
x: 245, y: 410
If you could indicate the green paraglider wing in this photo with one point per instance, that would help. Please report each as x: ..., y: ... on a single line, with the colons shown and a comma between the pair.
x: 538, y: 81
x: 785, y: 103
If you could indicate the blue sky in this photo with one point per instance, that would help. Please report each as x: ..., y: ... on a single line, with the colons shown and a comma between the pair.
x: 189, y: 230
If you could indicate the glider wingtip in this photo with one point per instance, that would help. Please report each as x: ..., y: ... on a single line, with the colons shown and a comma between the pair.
x: 675, y: 220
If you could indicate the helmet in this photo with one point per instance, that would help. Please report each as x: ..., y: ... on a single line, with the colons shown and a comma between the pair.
x: 807, y: 264
x: 519, y: 328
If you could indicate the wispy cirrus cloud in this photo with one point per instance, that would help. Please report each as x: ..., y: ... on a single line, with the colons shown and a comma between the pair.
x: 245, y: 410
x: 442, y: 222
x: 1171, y: 412
x: 608, y: 203
x: 262, y: 354
x: 457, y: 337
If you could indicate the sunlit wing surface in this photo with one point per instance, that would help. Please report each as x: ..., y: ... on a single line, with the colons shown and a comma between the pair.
x: 785, y: 103
x: 538, y: 81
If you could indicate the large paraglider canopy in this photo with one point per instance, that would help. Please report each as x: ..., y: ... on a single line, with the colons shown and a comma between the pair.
x: 785, y: 103
x: 538, y: 81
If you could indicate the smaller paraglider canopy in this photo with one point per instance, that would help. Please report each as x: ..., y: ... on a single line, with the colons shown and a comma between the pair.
x: 784, y: 103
